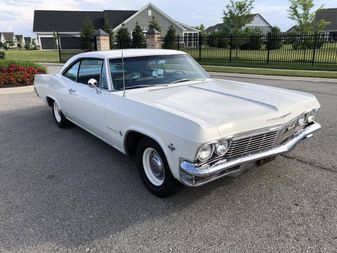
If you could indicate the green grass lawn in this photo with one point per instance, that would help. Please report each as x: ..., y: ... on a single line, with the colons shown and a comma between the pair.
x: 274, y: 72
x: 327, y: 54
x: 33, y: 55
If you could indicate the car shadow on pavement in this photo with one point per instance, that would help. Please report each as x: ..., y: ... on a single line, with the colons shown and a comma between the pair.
x: 67, y: 187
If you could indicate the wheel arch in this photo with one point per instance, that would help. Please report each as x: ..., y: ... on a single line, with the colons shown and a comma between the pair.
x: 132, y: 138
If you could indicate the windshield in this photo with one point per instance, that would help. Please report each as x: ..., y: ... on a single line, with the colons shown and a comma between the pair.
x: 154, y: 70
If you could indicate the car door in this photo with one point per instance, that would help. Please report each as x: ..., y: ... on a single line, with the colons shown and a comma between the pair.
x: 86, y: 105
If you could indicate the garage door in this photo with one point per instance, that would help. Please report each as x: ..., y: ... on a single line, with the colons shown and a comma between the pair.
x: 48, y: 43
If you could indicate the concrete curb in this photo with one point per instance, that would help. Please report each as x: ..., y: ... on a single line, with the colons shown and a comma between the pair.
x: 23, y: 89
x: 270, y: 77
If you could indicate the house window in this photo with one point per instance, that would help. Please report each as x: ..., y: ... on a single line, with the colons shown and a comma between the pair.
x: 149, y: 13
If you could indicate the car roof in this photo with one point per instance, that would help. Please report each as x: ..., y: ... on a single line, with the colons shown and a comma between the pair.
x: 117, y: 53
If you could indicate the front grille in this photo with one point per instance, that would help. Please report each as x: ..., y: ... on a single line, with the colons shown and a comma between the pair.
x: 244, y: 146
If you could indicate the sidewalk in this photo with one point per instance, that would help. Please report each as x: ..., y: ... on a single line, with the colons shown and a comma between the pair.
x: 24, y: 89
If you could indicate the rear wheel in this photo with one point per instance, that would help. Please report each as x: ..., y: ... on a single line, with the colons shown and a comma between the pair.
x: 154, y: 169
x: 60, y: 120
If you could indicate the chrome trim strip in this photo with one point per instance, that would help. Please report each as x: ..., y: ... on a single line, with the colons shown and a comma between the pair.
x: 191, y: 175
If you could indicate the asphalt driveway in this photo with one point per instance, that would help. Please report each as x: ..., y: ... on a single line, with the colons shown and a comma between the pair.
x: 67, y: 191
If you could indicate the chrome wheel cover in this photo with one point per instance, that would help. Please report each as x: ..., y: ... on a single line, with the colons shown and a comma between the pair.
x: 153, y: 166
x: 57, y: 112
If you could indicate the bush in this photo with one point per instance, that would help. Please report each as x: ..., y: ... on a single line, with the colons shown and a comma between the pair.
x: 274, y: 40
x: 252, y: 40
x: 307, y: 42
x: 19, y: 72
x: 2, y: 55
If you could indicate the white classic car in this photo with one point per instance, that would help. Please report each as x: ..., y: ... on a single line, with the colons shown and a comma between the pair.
x: 184, y: 127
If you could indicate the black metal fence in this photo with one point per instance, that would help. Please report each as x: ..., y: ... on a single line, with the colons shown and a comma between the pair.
x: 69, y: 45
x: 283, y: 49
x: 315, y: 51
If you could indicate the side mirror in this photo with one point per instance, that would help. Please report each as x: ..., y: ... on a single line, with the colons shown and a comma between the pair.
x: 92, y: 83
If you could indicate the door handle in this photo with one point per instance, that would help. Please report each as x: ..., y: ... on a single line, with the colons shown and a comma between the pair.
x: 71, y: 91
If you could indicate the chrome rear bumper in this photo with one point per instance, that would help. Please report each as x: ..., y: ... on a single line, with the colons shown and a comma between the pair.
x: 191, y: 175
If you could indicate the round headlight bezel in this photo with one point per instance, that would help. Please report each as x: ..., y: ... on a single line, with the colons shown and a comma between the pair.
x: 211, y: 147
x: 311, y: 116
x: 222, y: 147
x: 301, y: 120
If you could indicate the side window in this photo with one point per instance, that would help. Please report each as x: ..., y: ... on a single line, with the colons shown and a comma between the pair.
x: 90, y: 68
x: 71, y: 73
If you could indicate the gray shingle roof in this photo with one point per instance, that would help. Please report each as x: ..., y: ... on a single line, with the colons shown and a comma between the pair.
x: 8, y: 36
x: 72, y: 21
x: 329, y: 15
x: 18, y: 37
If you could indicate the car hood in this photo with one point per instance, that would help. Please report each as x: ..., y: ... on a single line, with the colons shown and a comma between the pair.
x: 230, y: 106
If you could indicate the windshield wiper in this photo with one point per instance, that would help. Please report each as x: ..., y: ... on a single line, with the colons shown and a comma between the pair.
x: 136, y: 86
x: 181, y: 80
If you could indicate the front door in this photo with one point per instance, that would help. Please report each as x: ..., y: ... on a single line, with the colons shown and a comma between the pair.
x: 86, y: 105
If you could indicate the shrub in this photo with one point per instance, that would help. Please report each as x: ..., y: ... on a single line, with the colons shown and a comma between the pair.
x: 19, y: 72
x: 169, y: 39
x: 2, y: 55
x: 252, y: 40
x: 274, y: 40
x: 307, y: 42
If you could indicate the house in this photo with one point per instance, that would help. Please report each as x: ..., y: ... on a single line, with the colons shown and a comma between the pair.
x: 329, y: 15
x: 47, y: 22
x: 258, y: 22
x: 2, y: 38
x: 9, y: 39
x: 20, y: 41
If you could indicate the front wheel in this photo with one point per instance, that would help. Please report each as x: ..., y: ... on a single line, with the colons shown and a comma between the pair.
x: 154, y: 169
x: 60, y: 120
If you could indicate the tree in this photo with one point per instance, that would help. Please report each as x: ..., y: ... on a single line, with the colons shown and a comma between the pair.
x: 154, y: 24
x: 301, y: 12
x: 274, y: 40
x: 86, y: 34
x: 107, y: 28
x: 237, y: 15
x: 138, y: 39
x: 123, y: 38
x: 202, y: 30
x: 169, y: 38
x: 33, y: 47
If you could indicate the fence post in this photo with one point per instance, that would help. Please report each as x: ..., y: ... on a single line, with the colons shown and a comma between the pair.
x: 315, y: 46
x: 59, y: 46
x: 200, y: 43
x: 230, y: 47
x: 268, y: 47
x: 178, y: 41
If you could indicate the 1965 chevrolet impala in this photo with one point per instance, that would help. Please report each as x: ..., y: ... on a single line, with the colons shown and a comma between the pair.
x: 184, y: 127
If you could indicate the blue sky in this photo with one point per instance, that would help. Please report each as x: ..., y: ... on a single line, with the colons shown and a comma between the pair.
x: 17, y: 15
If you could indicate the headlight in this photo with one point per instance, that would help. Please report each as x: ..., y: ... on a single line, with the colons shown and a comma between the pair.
x: 205, y: 152
x: 221, y: 147
x: 311, y: 116
x: 301, y: 120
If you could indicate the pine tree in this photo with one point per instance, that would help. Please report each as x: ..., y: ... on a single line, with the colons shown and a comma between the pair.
x: 86, y: 34
x: 107, y: 28
x: 138, y: 39
x: 154, y: 24
x: 169, y: 38
x: 123, y: 38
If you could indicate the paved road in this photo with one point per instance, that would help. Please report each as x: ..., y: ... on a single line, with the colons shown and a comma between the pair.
x: 67, y: 191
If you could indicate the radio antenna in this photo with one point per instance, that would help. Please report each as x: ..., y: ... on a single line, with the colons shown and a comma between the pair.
x: 123, y: 74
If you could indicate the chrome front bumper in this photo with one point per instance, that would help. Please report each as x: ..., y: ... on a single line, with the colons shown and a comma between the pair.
x: 191, y: 175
